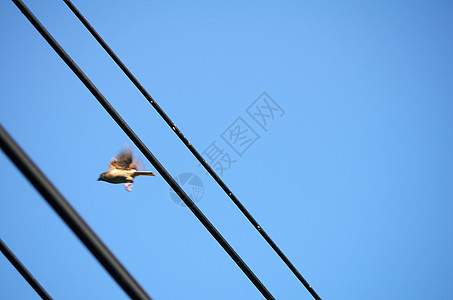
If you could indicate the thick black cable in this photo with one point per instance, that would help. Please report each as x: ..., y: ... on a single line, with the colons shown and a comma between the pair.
x: 141, y: 146
x: 23, y: 271
x: 191, y: 147
x: 70, y: 216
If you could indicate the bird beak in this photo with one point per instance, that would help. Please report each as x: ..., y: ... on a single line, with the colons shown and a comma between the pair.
x: 99, y: 179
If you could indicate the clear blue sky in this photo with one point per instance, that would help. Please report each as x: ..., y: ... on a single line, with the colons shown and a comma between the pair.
x: 354, y: 181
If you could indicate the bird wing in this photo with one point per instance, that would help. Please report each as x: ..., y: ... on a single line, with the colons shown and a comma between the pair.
x: 123, y: 161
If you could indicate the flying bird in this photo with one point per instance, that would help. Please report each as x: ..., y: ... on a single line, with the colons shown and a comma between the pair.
x: 123, y: 169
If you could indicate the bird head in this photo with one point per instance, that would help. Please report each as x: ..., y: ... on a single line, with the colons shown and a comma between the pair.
x: 102, y: 177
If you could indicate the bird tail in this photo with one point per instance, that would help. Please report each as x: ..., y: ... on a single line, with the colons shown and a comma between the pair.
x: 146, y: 173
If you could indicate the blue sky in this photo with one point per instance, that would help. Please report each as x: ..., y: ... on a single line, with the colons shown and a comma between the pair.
x: 353, y: 181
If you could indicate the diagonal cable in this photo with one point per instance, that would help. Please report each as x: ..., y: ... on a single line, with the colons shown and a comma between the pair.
x: 141, y: 146
x: 24, y: 272
x: 70, y: 216
x: 191, y: 148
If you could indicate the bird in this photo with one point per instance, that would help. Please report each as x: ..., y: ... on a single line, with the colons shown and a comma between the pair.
x: 123, y: 169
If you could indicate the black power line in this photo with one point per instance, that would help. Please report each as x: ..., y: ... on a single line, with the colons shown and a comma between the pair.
x: 141, y: 146
x: 191, y: 148
x: 23, y: 271
x: 70, y: 216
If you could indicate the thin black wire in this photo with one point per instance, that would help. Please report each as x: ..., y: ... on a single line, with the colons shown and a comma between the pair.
x: 191, y: 147
x: 70, y: 216
x: 141, y: 146
x: 23, y: 271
